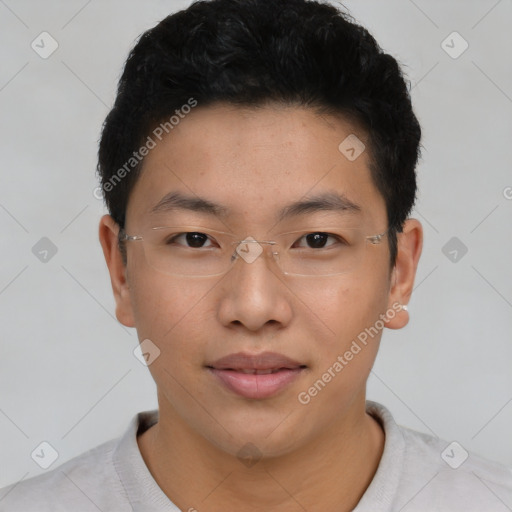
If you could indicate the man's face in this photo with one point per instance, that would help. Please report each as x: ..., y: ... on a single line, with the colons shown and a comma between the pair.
x: 254, y: 163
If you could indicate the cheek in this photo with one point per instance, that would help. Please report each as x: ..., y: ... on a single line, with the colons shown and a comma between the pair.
x: 344, y: 359
x: 341, y: 307
x: 170, y: 311
x: 167, y: 313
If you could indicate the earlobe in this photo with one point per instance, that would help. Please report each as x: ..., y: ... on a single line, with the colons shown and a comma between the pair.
x: 108, y: 235
x: 409, y: 246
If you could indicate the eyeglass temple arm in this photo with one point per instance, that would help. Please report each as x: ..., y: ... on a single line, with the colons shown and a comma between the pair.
x: 376, y: 239
x: 125, y: 237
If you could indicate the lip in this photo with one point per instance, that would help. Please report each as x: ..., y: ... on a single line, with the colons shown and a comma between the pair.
x: 256, y: 376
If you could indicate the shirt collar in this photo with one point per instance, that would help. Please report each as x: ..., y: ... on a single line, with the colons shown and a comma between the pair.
x: 145, y: 495
x: 384, y: 486
x: 141, y: 489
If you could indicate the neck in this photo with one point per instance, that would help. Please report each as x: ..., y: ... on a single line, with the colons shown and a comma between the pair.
x: 329, y: 473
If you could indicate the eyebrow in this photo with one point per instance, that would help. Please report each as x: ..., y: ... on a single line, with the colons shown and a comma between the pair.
x: 179, y: 201
x: 328, y: 201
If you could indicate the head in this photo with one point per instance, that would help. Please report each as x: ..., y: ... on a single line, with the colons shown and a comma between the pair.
x: 248, y: 107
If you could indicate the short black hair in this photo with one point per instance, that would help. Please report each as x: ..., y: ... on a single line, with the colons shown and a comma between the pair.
x: 250, y: 53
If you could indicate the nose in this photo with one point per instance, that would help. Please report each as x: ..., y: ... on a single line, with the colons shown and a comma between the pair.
x: 253, y: 294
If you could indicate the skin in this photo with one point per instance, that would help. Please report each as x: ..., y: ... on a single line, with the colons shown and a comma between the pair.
x: 313, y: 457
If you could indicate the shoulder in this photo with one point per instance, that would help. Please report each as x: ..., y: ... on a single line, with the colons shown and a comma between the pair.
x: 420, y: 473
x: 444, y: 475
x: 75, y: 485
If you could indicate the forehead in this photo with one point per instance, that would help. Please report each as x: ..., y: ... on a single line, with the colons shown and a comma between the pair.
x: 254, y: 162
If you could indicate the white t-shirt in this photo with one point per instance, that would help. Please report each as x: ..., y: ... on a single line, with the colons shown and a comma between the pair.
x: 417, y: 472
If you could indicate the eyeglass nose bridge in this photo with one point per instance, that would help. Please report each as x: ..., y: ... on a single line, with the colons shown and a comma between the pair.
x: 250, y: 249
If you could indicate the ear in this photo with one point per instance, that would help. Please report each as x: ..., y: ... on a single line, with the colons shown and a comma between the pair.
x: 108, y: 233
x: 410, y: 243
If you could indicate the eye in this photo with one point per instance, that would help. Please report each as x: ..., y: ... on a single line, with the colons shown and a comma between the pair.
x: 318, y: 240
x: 193, y: 239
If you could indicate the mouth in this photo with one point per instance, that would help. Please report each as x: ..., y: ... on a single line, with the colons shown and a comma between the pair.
x: 256, y: 376
x: 253, y: 371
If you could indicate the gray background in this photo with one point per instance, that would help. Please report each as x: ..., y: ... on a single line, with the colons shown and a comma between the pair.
x: 68, y: 375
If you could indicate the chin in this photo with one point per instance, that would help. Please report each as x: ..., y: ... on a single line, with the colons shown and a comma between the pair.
x: 254, y: 436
